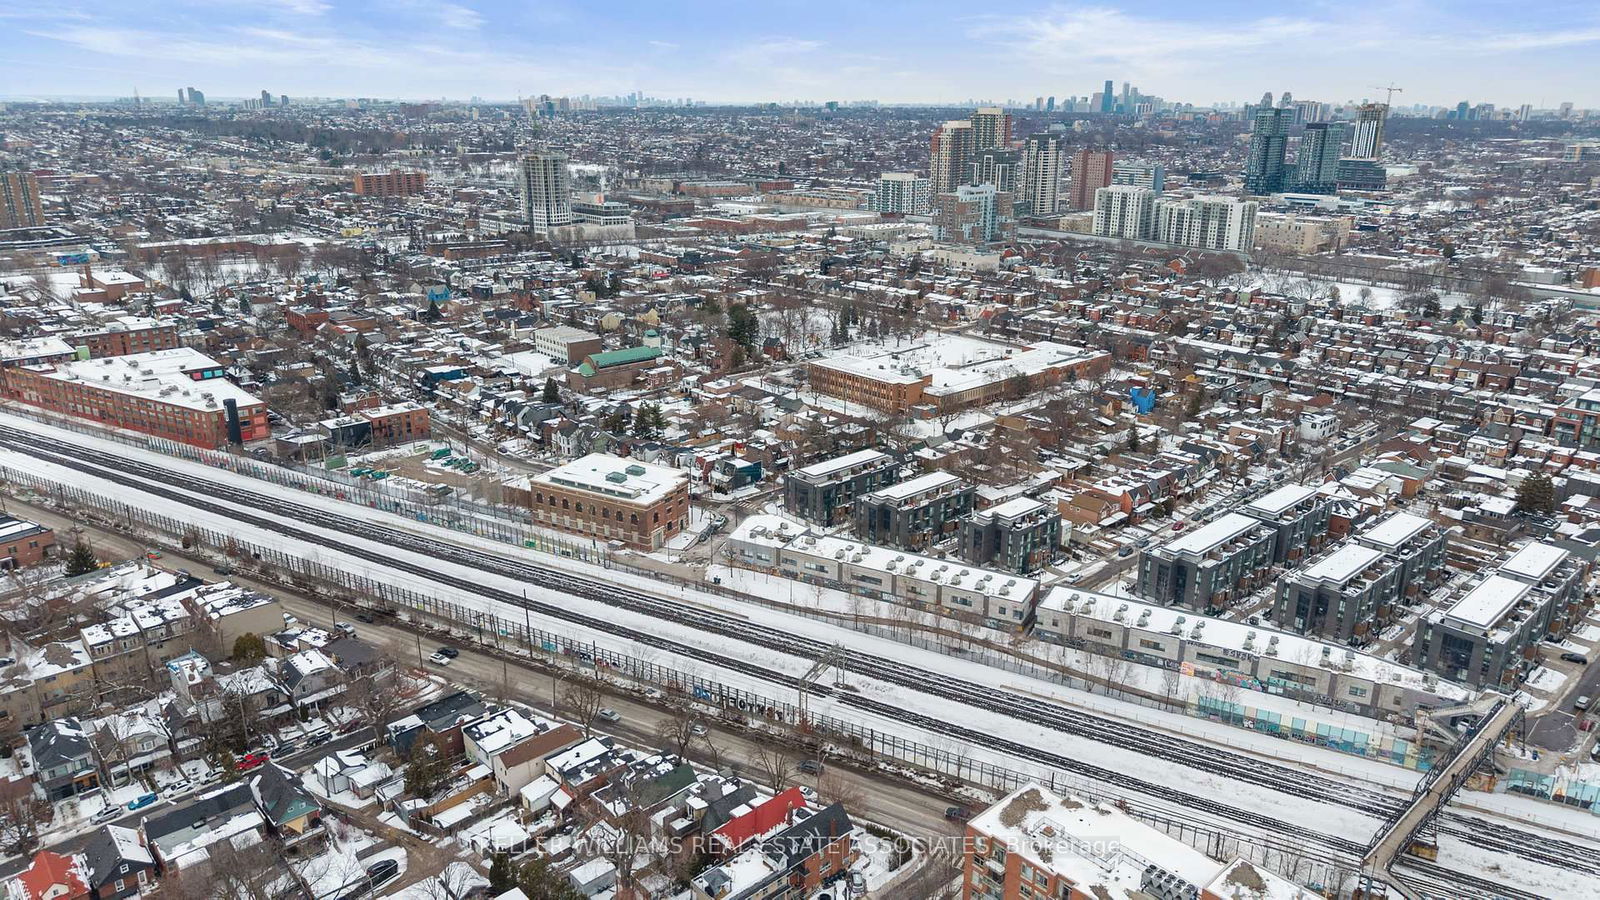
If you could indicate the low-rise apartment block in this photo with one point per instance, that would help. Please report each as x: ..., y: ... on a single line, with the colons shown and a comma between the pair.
x: 825, y: 492
x: 914, y: 514
x: 939, y: 587
x: 1020, y: 535
x: 1489, y: 638
x: 1211, y: 565
x: 1300, y: 516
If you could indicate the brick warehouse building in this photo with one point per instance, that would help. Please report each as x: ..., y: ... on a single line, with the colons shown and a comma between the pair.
x: 177, y: 394
x: 607, y: 498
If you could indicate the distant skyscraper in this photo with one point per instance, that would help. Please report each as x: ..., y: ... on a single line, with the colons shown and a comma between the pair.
x: 1317, y: 161
x: 997, y: 166
x: 191, y: 97
x: 1524, y: 112
x: 1286, y: 101
x: 20, y: 206
x: 1367, y: 139
x: 991, y: 127
x: 1107, y: 99
x: 266, y: 98
x: 1264, y: 167
x: 1050, y: 103
x: 1042, y: 164
x: 546, y: 188
x: 1266, y: 99
x: 950, y: 155
x: 1091, y: 170
x: 903, y: 193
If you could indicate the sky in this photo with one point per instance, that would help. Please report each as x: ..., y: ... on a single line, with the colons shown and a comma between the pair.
x: 1202, y: 51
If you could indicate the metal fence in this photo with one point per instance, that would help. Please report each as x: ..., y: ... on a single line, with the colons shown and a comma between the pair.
x: 942, y: 767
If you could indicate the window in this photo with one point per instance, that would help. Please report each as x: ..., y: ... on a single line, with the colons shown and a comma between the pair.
x: 1152, y: 645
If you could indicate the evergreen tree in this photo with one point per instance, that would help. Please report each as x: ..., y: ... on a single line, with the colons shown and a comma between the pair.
x: 552, y: 391
x: 539, y: 881
x: 744, y: 328
x: 81, y: 560
x: 1536, y: 494
x: 502, y: 875
x: 1133, y: 440
x: 249, y: 649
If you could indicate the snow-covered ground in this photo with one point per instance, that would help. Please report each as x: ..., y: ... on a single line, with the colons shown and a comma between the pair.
x: 1335, y: 820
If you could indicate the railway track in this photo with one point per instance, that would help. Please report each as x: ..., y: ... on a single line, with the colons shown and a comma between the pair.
x: 1478, y: 832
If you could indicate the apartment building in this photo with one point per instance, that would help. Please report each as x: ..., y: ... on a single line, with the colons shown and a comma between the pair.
x: 1035, y: 844
x: 24, y: 543
x: 1302, y: 235
x: 20, y: 206
x: 1091, y: 171
x: 825, y: 492
x: 903, y: 193
x: 394, y: 183
x: 397, y: 423
x: 1417, y: 543
x: 974, y: 214
x: 1206, y: 568
x: 1490, y: 637
x: 937, y: 587
x: 608, y: 498
x: 1021, y: 535
x: 1300, y: 516
x: 914, y: 514
x: 1124, y: 211
x: 178, y: 394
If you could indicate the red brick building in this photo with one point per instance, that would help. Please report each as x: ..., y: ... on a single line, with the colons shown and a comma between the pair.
x: 608, y: 498
x: 129, y: 335
x: 397, y: 423
x: 395, y: 183
x: 24, y: 543
x: 178, y: 394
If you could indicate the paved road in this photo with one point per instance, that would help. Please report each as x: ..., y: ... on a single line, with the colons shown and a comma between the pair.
x: 1557, y: 729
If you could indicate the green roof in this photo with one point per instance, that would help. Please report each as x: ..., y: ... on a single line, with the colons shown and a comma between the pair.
x: 622, y: 357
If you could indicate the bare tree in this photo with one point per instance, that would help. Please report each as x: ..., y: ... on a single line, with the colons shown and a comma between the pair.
x: 680, y: 726
x: 582, y: 701
x: 774, y: 763
x: 377, y: 696
x: 833, y: 787
x: 23, y: 815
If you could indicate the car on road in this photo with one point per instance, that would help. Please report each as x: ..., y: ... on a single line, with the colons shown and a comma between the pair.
x: 957, y: 813
x: 443, y: 655
x: 152, y: 554
x: 318, y: 738
x: 607, y: 714
x: 251, y: 761
x: 143, y: 800
x: 697, y: 729
x: 810, y: 767
x: 1125, y: 550
x: 381, y: 871
x: 348, y: 628
x: 107, y: 813
x: 1582, y: 703
x: 364, y: 617
x: 222, y: 569
x: 1578, y: 658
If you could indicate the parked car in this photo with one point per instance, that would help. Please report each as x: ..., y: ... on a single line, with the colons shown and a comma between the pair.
x: 1578, y: 658
x: 381, y: 871
x: 697, y: 729
x: 107, y: 813
x: 177, y: 789
x: 251, y: 761
x: 439, y: 658
x: 957, y: 813
x: 143, y: 800
x: 348, y: 628
x: 1582, y: 703
x: 318, y: 738
x: 152, y: 554
x: 607, y: 714
x: 1125, y: 550
x: 364, y: 617
x: 810, y: 767
x: 222, y: 569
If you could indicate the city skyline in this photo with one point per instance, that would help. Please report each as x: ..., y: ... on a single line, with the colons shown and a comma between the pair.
x: 1441, y: 54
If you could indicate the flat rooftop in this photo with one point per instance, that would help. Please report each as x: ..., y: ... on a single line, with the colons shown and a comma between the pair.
x: 1212, y: 535
x: 618, y: 477
x: 1275, y: 503
x: 932, y: 481
x: 1393, y: 532
x: 1485, y: 605
x: 840, y: 463
x: 1534, y: 562
x: 1343, y: 564
x: 163, y: 376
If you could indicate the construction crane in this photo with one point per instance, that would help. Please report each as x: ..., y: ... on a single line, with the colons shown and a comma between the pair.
x: 1390, y: 91
x: 832, y: 661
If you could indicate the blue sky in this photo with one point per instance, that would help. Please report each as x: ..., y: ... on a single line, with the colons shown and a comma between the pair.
x: 1439, y: 51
